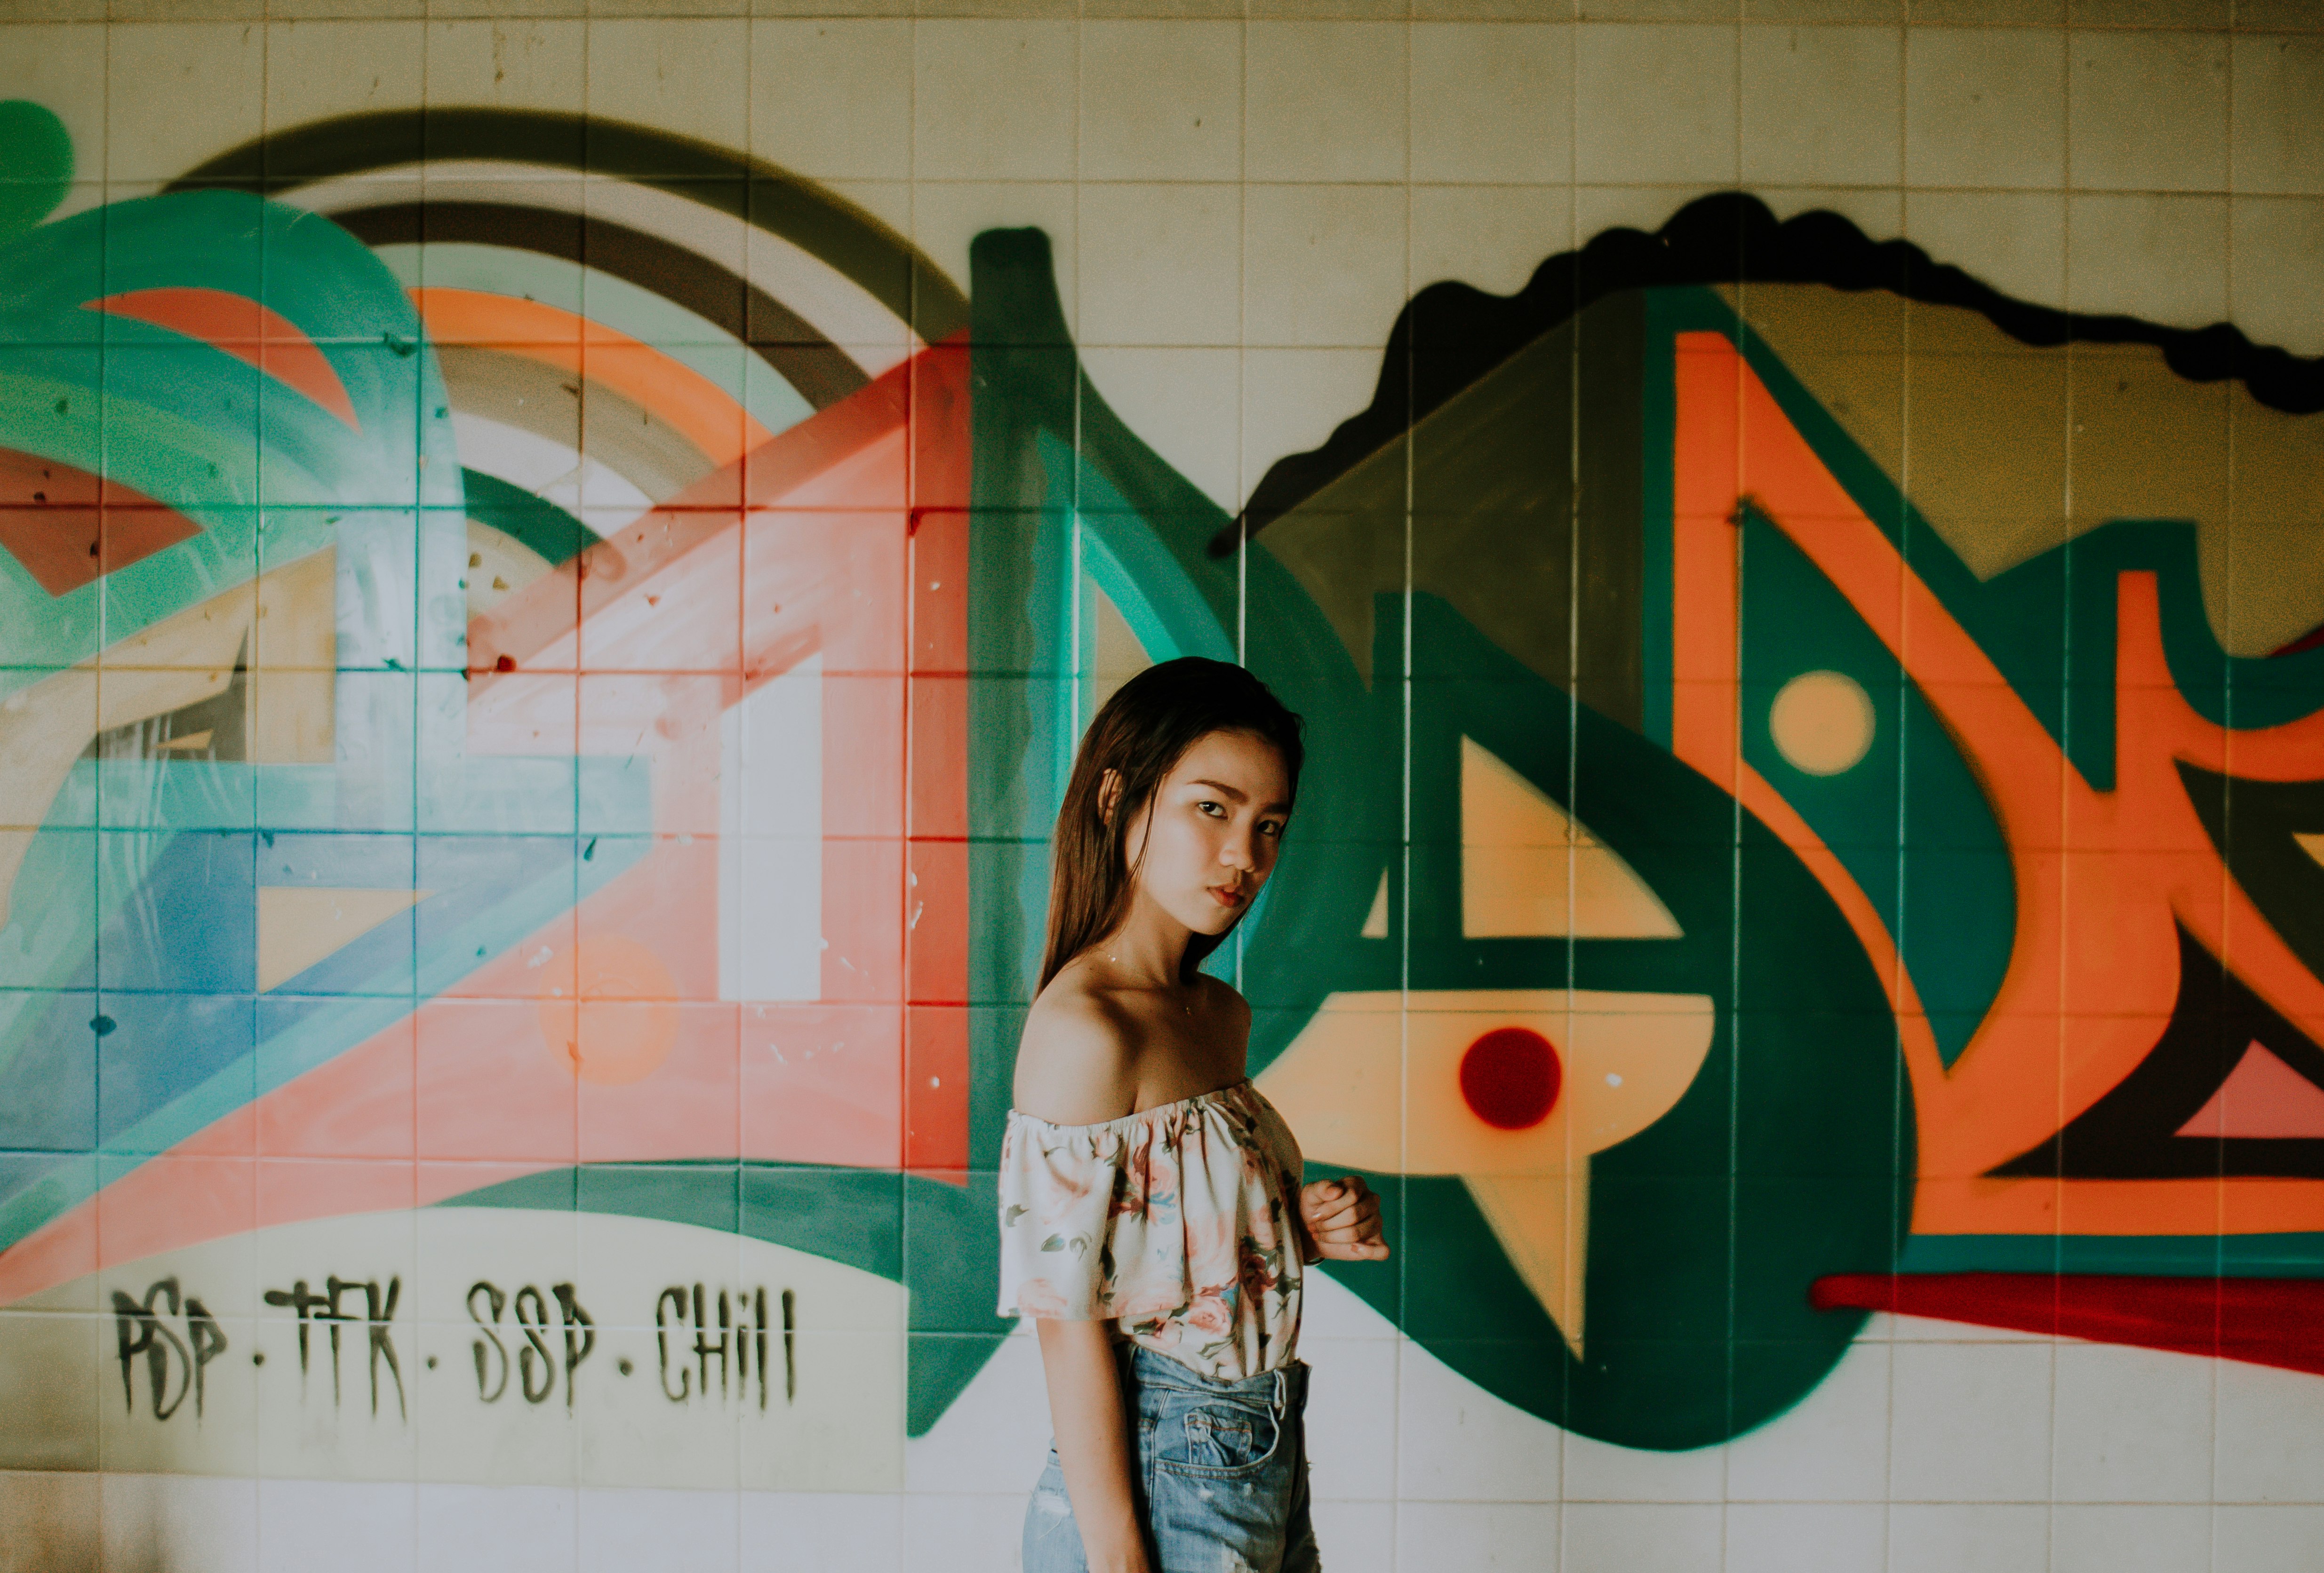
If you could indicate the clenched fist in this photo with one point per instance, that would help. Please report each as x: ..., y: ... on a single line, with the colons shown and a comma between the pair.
x: 1343, y: 1219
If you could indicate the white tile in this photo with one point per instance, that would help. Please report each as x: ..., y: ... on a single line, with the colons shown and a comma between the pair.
x: 1357, y: 1537
x: 1823, y: 105
x: 1329, y: 1309
x: 179, y: 93
x: 316, y: 69
x: 2279, y: 82
x: 2128, y: 1538
x: 369, y: 1527
x: 2015, y: 241
x: 1492, y: 101
x: 833, y: 97
x: 1970, y: 1423
x: 1985, y: 107
x: 1832, y: 1446
x: 964, y: 1534
x: 1879, y: 1328
x: 1352, y: 1412
x: 2163, y: 258
x: 522, y: 1529
x: 1323, y: 265
x: 185, y: 1522
x: 2133, y: 1425
x: 1597, y: 1471
x: 1805, y: 1537
x: 1967, y: 1538
x: 1628, y: 1537
x: 1459, y: 1443
x: 61, y: 68
x: 1161, y: 265
x: 1161, y: 100
x: 1491, y: 237
x: 947, y: 215
x: 2127, y: 85
x: 1185, y: 404
x: 2268, y: 1539
x: 804, y: 1531
x: 2271, y: 1434
x: 1475, y: 1537
x: 993, y: 100
x: 627, y: 1529
x: 2276, y: 252
x: 1293, y: 398
x: 1324, y: 101
x: 993, y: 1439
x: 688, y: 75
x: 539, y: 63
x: 1654, y: 103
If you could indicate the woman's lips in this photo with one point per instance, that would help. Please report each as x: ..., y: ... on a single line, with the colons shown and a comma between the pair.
x: 1227, y: 895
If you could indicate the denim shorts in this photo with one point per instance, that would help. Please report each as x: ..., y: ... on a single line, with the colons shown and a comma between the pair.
x: 1222, y: 1473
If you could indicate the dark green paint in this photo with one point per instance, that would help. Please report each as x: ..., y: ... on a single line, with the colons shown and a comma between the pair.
x: 36, y: 165
x: 1908, y: 822
x: 1787, y: 1158
x: 550, y: 531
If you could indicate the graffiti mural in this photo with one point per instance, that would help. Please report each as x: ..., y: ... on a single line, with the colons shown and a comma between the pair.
x: 531, y: 708
x: 1870, y: 923
x: 476, y: 713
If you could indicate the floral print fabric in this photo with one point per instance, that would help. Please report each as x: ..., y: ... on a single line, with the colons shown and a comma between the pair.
x: 1178, y: 1224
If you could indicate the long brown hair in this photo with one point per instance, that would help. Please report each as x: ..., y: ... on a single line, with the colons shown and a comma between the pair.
x: 1140, y: 734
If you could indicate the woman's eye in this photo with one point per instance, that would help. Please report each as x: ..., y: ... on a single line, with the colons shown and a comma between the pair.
x: 1270, y: 827
x: 1213, y: 809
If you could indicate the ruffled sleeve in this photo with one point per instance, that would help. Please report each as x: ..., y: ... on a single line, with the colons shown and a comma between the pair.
x: 1078, y: 1209
x: 1177, y: 1224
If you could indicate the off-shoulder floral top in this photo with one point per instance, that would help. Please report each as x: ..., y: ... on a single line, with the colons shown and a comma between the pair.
x: 1179, y: 1224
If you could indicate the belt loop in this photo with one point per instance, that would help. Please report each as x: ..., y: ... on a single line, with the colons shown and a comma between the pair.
x: 1281, y: 1404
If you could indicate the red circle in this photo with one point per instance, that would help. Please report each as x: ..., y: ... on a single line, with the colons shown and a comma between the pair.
x: 1510, y: 1077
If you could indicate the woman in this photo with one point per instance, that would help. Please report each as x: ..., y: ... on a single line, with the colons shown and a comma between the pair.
x: 1152, y: 1218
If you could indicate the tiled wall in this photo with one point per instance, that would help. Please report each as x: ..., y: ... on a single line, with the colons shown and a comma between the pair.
x: 551, y: 566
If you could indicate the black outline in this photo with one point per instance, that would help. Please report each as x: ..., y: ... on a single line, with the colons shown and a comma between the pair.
x: 2133, y: 1132
x: 762, y: 195
x: 1451, y: 333
x: 777, y: 334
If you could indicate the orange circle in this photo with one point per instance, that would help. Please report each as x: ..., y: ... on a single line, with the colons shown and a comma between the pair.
x: 624, y: 1023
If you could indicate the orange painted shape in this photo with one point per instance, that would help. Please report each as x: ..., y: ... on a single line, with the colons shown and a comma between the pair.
x: 2262, y: 1098
x: 248, y: 330
x: 66, y: 526
x: 819, y: 484
x: 822, y: 1082
x: 2103, y: 878
x: 703, y: 412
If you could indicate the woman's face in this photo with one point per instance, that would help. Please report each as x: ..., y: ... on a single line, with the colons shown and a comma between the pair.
x: 1210, y: 834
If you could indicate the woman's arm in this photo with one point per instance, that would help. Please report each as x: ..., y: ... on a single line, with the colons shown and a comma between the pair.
x: 1092, y: 1431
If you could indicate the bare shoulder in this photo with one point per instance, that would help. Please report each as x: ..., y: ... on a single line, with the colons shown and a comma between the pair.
x: 1225, y: 1005
x: 1076, y: 1060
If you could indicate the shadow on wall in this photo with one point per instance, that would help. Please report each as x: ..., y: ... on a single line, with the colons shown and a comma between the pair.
x: 1768, y: 762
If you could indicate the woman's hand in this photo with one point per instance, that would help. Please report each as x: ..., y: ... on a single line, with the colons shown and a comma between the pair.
x: 1344, y: 1218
